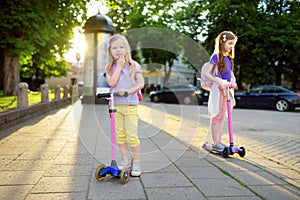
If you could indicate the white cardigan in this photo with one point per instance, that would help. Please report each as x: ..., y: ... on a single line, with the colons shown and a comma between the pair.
x: 214, y: 99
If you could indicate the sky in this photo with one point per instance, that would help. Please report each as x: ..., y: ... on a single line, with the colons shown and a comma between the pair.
x: 78, y: 40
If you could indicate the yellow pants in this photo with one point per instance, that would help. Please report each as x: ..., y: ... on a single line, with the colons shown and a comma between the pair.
x: 126, y: 124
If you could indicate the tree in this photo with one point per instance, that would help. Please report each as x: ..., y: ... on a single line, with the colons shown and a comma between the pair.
x: 267, y: 31
x: 159, y: 41
x: 37, y: 30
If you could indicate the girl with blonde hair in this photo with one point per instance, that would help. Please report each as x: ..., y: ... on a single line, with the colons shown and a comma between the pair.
x: 124, y: 75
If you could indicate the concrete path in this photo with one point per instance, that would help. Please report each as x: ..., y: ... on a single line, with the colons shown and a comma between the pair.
x: 55, y: 157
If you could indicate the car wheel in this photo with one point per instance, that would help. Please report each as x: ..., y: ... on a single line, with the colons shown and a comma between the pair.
x: 187, y: 100
x: 282, y: 105
x: 155, y: 99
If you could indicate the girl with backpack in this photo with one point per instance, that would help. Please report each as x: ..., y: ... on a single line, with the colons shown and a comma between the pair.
x: 124, y: 75
x: 222, y: 60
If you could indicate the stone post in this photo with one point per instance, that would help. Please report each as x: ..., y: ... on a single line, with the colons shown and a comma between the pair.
x: 66, y: 91
x: 57, y: 92
x: 44, y: 93
x: 23, y: 95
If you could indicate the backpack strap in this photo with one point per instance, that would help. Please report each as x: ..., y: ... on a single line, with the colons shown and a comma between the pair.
x: 215, y: 68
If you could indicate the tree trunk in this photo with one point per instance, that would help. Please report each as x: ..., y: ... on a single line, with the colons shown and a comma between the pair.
x: 11, y: 73
x: 1, y: 69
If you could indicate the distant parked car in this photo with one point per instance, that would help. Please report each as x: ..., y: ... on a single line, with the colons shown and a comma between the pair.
x: 268, y: 96
x: 183, y: 94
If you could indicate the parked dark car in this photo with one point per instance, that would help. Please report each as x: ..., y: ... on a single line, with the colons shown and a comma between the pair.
x: 183, y: 94
x: 268, y: 96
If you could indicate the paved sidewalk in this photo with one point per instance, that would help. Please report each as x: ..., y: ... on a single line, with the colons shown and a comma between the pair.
x: 55, y: 157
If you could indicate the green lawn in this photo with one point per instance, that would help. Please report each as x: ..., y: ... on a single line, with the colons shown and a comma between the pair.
x: 9, y: 102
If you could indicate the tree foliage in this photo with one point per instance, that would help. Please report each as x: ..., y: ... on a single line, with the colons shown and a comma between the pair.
x: 38, y: 32
x: 154, y: 46
x: 268, y: 31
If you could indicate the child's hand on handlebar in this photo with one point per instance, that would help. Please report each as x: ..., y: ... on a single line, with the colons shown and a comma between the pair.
x: 123, y: 92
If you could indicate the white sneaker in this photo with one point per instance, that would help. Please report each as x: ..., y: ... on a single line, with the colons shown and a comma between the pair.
x: 125, y: 163
x: 136, y: 168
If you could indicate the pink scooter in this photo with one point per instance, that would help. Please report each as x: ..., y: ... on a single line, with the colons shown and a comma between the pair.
x: 113, y: 169
x: 231, y: 149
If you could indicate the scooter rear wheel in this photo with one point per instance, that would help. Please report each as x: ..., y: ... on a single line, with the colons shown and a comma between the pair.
x: 97, y: 173
x: 242, y: 151
x: 124, y: 176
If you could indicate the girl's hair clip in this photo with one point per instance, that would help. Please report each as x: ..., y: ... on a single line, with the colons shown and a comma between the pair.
x: 224, y: 38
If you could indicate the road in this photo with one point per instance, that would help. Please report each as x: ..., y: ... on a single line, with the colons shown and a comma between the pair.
x: 269, y: 134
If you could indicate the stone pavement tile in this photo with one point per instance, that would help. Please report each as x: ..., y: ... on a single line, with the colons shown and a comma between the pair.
x: 171, y: 144
x: 236, y: 165
x: 5, y: 159
x: 4, y: 151
x: 28, y: 140
x: 113, y: 189
x: 39, y: 154
x: 15, y: 143
x: 192, y: 162
x: 191, y: 154
x: 211, y: 157
x: 61, y: 135
x: 27, y: 165
x: 168, y: 168
x: 274, y: 192
x: 20, y: 177
x: 277, y: 169
x: 158, y: 166
x: 235, y: 198
x: 75, y: 147
x: 174, y: 193
x: 49, y: 144
x: 174, y: 155
x: 153, y: 155
x: 73, y: 159
x: 203, y: 172
x: 62, y: 184
x: 68, y: 170
x: 222, y: 187
x: 165, y: 180
x: 14, y: 192
x: 257, y: 178
x: 57, y: 196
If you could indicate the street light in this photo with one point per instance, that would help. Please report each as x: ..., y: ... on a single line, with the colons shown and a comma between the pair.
x: 98, y: 30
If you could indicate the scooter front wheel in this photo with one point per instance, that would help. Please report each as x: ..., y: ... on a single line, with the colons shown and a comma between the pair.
x: 242, y: 151
x: 124, y: 176
x: 226, y: 152
x: 97, y: 173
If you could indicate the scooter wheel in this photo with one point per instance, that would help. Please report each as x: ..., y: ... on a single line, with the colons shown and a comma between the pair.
x: 124, y: 175
x: 226, y: 152
x: 97, y: 173
x: 242, y: 151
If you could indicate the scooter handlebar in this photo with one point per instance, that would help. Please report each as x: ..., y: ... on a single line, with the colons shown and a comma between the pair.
x: 108, y: 95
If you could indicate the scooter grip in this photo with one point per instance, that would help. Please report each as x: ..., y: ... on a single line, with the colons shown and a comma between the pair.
x: 125, y: 94
x: 108, y: 95
x: 116, y: 94
x: 103, y: 95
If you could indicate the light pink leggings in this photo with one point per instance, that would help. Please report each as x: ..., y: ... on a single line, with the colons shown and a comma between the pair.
x: 217, y: 122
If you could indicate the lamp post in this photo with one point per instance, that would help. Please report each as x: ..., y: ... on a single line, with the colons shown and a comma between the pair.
x: 98, y: 30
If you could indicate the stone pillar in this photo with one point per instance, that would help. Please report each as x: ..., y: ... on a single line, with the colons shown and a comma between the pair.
x: 44, y: 93
x: 57, y: 92
x: 23, y: 95
x: 66, y: 91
